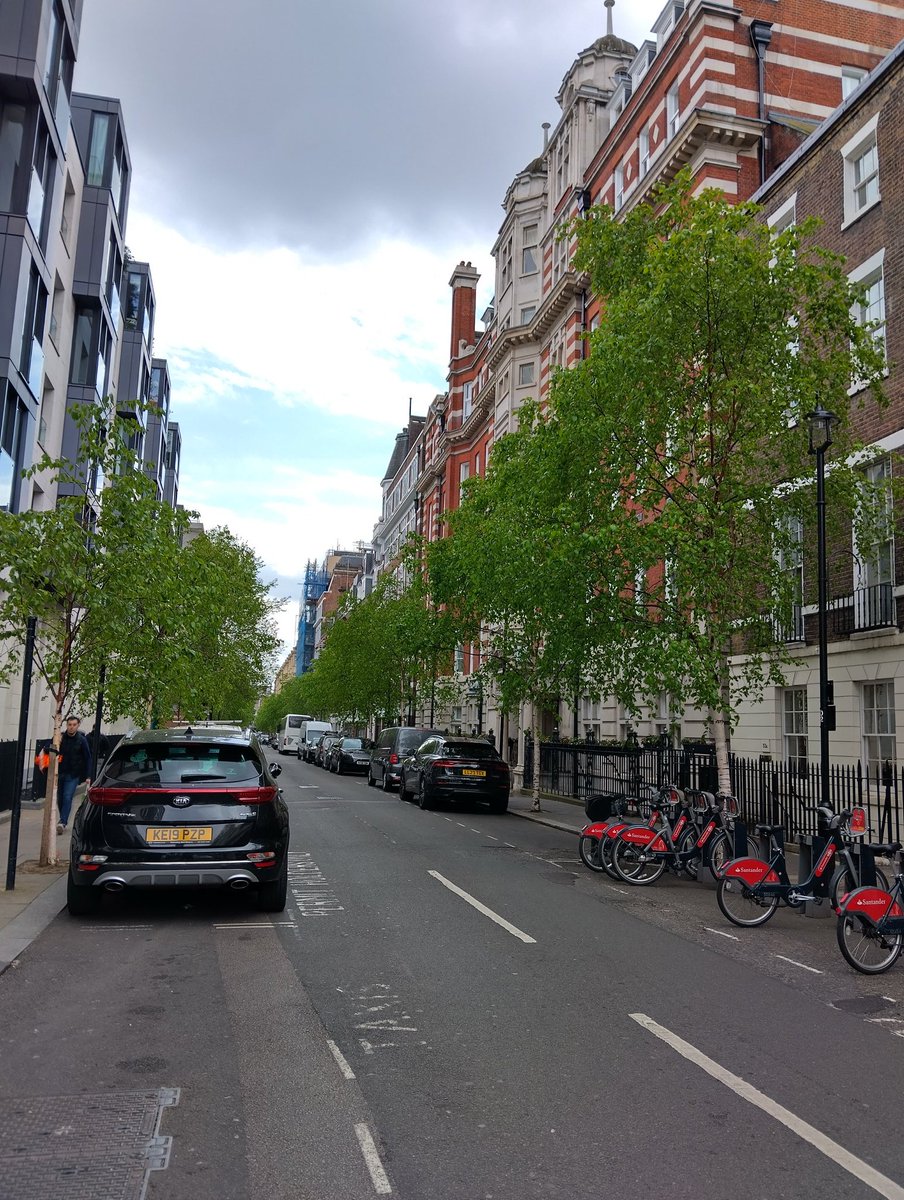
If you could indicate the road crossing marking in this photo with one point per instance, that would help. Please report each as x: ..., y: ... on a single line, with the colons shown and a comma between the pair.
x: 721, y: 933
x: 795, y: 963
x: 341, y: 1060
x: 310, y: 888
x: 372, y: 1161
x: 808, y: 1133
x: 482, y: 908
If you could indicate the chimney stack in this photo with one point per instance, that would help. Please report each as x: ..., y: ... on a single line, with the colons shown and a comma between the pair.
x: 464, y: 306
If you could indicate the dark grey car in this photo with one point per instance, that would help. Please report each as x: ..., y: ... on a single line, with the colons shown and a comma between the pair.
x: 173, y: 809
x: 394, y: 744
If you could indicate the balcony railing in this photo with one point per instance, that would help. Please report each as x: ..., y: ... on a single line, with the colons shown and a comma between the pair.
x: 868, y: 608
x: 793, y: 630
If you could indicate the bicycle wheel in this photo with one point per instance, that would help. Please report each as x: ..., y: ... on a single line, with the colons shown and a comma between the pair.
x: 589, y: 850
x: 634, y: 864
x: 721, y: 853
x: 743, y: 907
x: 845, y: 882
x: 868, y: 950
x: 607, y: 848
x: 687, y: 844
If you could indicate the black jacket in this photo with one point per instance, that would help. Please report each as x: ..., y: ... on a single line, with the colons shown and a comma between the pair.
x: 75, y: 756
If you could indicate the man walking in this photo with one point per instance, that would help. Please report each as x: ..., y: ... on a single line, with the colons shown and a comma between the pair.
x: 74, y: 768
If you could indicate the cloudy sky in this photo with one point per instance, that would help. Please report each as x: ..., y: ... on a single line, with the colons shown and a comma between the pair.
x: 306, y: 174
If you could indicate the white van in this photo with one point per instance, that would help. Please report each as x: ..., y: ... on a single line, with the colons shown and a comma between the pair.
x: 312, y: 732
x: 290, y: 734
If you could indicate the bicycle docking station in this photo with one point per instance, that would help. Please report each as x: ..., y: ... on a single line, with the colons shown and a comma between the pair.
x: 810, y: 848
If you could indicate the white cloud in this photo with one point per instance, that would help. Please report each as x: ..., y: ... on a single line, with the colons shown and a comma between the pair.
x: 355, y: 338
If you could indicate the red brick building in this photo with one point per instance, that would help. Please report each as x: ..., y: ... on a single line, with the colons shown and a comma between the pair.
x: 730, y: 91
x: 850, y: 173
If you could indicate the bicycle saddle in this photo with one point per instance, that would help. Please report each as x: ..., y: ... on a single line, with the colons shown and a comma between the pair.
x: 885, y: 848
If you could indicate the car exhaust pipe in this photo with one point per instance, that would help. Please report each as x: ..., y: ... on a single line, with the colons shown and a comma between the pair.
x: 114, y: 885
x: 238, y: 883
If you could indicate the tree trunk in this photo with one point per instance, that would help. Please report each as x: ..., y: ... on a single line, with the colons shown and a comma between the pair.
x: 720, y: 737
x: 535, y: 734
x: 48, y: 854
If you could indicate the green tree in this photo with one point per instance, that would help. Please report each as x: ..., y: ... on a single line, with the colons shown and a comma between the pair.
x: 80, y: 568
x: 528, y: 569
x: 716, y: 340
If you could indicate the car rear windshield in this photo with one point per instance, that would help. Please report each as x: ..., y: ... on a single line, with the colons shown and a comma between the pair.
x: 352, y: 744
x: 164, y: 763
x: 410, y: 739
x: 468, y: 750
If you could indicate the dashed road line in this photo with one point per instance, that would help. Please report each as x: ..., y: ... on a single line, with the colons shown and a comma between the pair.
x: 814, y: 1137
x: 253, y: 925
x: 795, y: 963
x: 372, y: 1161
x: 721, y: 933
x: 341, y: 1060
x: 482, y: 908
x: 613, y: 888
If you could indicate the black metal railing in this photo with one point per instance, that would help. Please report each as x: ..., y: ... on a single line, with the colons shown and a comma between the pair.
x: 771, y: 792
x: 868, y: 608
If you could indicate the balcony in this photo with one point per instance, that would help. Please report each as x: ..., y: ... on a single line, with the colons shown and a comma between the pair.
x: 793, y: 630
x: 868, y: 608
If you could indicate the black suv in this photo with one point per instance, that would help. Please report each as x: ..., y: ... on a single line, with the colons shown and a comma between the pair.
x: 394, y: 744
x: 174, y: 808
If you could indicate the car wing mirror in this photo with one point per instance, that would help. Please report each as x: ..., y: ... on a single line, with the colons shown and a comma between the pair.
x: 275, y: 770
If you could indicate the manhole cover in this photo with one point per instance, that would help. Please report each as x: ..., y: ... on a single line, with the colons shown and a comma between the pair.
x: 102, y: 1146
x: 863, y: 1004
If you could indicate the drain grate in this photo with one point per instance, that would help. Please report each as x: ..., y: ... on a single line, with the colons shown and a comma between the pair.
x: 95, y: 1147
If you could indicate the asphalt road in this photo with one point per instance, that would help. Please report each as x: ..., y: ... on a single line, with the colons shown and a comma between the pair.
x: 453, y: 1008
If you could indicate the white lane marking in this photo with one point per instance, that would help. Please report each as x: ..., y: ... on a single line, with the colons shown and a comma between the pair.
x: 449, y: 819
x: 307, y: 786
x: 473, y: 830
x: 341, y: 1060
x: 459, y: 823
x: 487, y: 912
x: 721, y: 933
x: 510, y: 844
x: 378, y: 1176
x: 553, y: 864
x: 492, y: 839
x: 891, y: 998
x: 613, y: 888
x: 256, y: 925
x: 884, y: 1020
x: 795, y: 963
x: 808, y: 1133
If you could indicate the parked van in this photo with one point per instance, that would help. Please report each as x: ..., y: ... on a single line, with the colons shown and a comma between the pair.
x: 290, y: 734
x: 311, y: 733
x: 394, y: 744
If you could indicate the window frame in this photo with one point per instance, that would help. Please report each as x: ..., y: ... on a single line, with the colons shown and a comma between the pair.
x: 853, y: 151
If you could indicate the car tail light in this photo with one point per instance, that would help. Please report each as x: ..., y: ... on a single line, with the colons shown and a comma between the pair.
x: 858, y: 820
x: 108, y: 797
x: 262, y: 856
x: 91, y: 858
x: 258, y: 795
x: 446, y: 763
x: 393, y: 759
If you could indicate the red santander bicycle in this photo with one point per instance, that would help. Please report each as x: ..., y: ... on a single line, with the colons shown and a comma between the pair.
x: 751, y: 889
x: 870, y: 927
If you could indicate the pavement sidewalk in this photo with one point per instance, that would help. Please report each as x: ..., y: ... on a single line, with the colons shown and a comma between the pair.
x: 39, y: 894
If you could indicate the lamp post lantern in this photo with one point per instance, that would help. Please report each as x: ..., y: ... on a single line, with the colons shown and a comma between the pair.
x: 820, y: 424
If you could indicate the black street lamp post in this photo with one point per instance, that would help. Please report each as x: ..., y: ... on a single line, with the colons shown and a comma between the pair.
x: 820, y: 425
